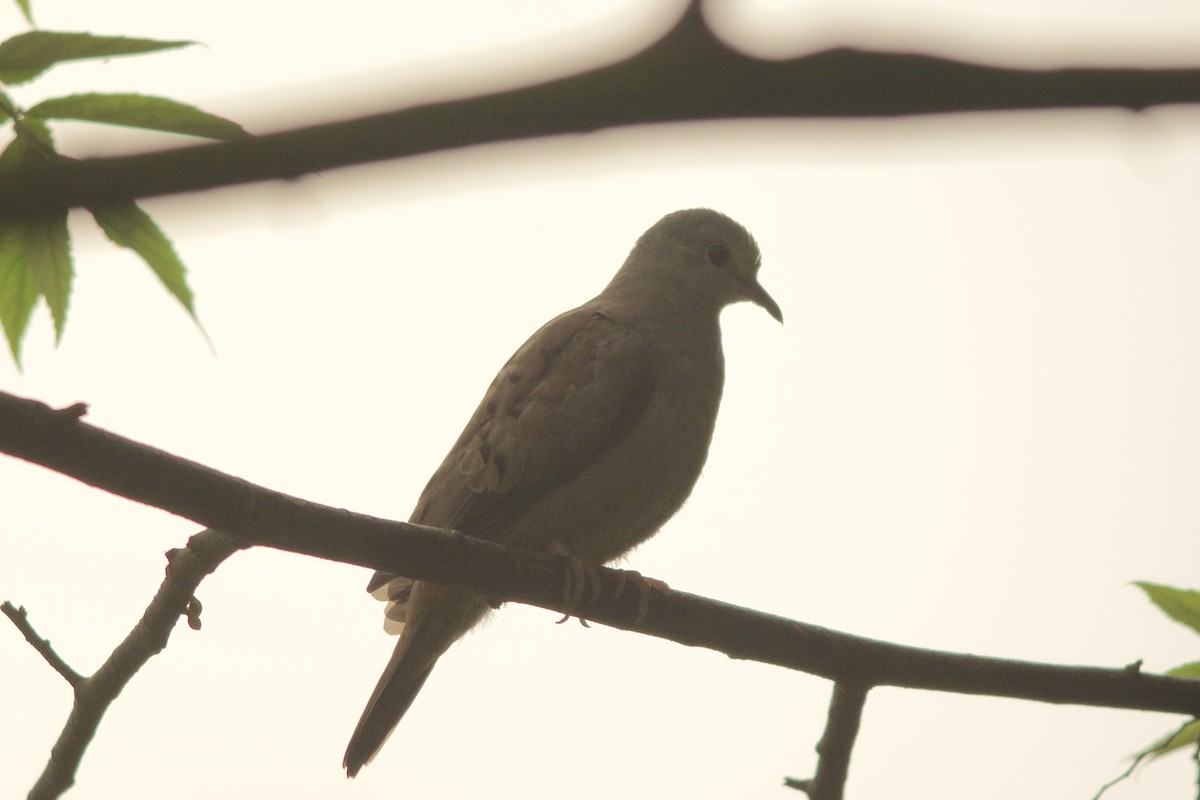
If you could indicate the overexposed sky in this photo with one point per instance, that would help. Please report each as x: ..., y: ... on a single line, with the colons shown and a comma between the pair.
x: 976, y: 427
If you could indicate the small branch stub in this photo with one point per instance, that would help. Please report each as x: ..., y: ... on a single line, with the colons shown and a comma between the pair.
x: 20, y: 618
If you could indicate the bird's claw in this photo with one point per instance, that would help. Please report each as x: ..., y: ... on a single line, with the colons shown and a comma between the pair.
x: 578, y: 577
x: 645, y: 586
x: 581, y: 578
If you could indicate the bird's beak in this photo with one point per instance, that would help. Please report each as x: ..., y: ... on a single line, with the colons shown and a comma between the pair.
x: 756, y: 294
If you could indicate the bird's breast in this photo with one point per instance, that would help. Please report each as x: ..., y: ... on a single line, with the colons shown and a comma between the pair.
x: 623, y: 495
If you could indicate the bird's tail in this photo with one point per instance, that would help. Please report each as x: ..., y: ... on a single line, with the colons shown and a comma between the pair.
x: 390, y: 700
x: 437, y: 616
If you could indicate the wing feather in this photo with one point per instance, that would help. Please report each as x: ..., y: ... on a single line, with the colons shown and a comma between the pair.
x: 574, y: 388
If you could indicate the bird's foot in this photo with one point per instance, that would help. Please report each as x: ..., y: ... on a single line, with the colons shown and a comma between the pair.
x: 578, y: 577
x: 582, y: 578
x: 644, y: 585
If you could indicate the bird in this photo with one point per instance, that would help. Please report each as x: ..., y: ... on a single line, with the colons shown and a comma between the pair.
x: 587, y: 441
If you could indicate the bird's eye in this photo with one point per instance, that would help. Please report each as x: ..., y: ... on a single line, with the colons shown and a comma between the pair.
x: 718, y: 254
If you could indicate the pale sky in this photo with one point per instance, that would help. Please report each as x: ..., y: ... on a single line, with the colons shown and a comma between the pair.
x: 976, y: 427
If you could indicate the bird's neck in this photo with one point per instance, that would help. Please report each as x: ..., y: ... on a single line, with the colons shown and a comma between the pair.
x: 661, y: 309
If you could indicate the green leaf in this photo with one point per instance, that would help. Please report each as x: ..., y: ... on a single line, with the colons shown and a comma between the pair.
x: 48, y: 261
x: 138, y: 111
x: 7, y: 108
x: 25, y: 56
x: 1189, y: 734
x: 33, y: 142
x: 1191, y: 670
x: 127, y: 225
x: 26, y: 11
x: 17, y: 292
x: 1181, y: 605
x: 35, y: 256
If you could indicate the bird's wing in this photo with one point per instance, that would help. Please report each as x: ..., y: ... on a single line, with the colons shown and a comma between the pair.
x: 576, y: 387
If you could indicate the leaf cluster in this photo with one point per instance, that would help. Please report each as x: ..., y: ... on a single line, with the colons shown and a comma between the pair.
x: 1183, y: 606
x: 35, y: 251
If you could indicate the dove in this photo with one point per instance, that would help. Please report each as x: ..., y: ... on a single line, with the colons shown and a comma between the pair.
x: 588, y: 440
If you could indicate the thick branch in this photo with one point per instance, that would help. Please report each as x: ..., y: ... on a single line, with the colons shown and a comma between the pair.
x: 687, y: 75
x: 32, y: 431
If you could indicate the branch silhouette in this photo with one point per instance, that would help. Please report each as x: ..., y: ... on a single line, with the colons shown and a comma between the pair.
x: 841, y: 729
x: 253, y: 515
x: 94, y: 694
x: 688, y: 75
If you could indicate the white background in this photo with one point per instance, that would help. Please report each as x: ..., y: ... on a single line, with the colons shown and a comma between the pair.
x: 976, y: 427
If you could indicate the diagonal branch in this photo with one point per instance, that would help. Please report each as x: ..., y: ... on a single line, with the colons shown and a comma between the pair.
x: 688, y: 75
x: 93, y: 695
x: 257, y: 516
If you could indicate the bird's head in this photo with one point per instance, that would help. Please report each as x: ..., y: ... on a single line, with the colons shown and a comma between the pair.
x: 701, y: 253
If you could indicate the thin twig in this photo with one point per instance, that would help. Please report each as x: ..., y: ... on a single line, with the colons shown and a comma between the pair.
x: 1132, y: 766
x: 1155, y: 750
x: 185, y: 569
x: 20, y: 618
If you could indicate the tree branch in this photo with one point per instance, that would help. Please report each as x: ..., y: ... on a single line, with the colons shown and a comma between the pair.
x: 93, y: 695
x: 688, y: 75
x: 257, y: 516
x: 841, y: 729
